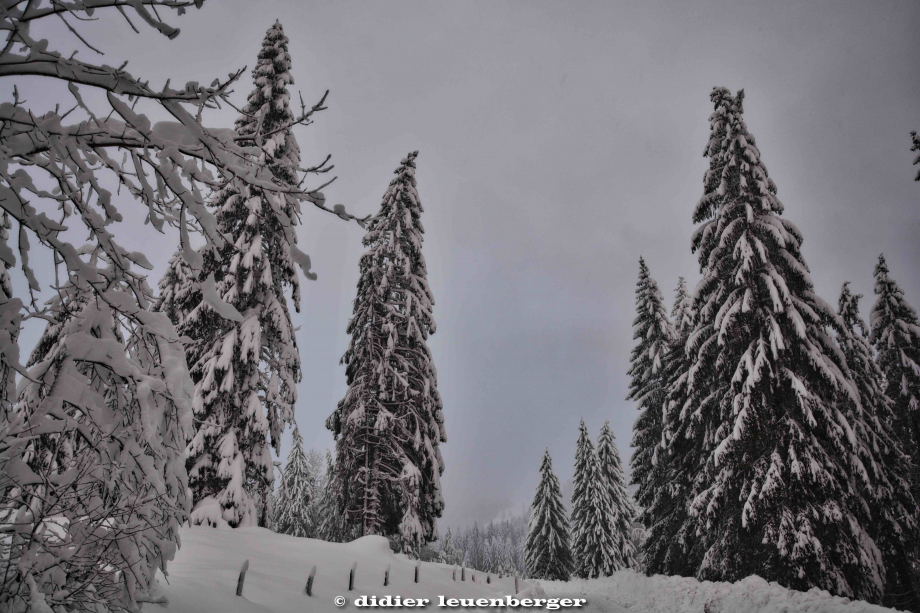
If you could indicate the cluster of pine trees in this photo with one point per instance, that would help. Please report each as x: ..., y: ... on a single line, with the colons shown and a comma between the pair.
x: 232, y: 309
x: 597, y: 540
x: 777, y: 436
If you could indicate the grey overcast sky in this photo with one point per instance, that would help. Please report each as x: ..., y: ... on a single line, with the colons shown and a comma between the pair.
x: 559, y: 141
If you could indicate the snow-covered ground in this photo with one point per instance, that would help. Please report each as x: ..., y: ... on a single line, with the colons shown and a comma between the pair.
x: 202, y: 579
x: 636, y: 593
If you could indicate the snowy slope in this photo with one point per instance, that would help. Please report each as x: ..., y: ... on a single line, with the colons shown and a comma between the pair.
x: 202, y: 578
x: 629, y: 591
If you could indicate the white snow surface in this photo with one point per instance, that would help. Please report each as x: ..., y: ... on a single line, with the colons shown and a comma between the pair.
x: 203, y: 576
x: 202, y: 579
x: 627, y: 590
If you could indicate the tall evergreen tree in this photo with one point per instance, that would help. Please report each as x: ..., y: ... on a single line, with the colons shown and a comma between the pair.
x: 772, y: 495
x: 885, y: 485
x: 667, y: 546
x: 593, y: 546
x: 623, y: 511
x: 546, y: 550
x: 246, y: 365
x: 295, y: 496
x: 896, y: 337
x: 389, y: 425
x: 653, y: 335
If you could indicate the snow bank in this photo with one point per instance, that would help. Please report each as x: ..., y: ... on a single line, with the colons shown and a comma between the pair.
x: 202, y: 578
x: 628, y: 590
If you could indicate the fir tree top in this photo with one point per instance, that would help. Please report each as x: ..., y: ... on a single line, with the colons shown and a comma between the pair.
x: 398, y: 230
x: 896, y: 336
x: 268, y: 106
x: 548, y: 498
x: 651, y: 328
x: 682, y: 310
x: 848, y: 310
x: 894, y: 321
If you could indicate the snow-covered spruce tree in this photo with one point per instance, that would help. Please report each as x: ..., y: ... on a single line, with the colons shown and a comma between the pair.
x: 623, y: 510
x: 547, y: 552
x: 886, y: 487
x: 246, y: 367
x: 332, y: 527
x: 772, y: 496
x: 390, y: 423
x: 593, y: 546
x: 896, y: 337
x: 653, y: 334
x: 665, y: 549
x: 94, y: 457
x: 296, y: 493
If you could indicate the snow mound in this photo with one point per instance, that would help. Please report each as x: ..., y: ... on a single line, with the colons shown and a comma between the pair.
x: 628, y: 590
x: 377, y: 546
x: 202, y: 578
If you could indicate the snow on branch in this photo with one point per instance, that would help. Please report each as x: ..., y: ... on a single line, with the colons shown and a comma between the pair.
x: 92, y: 444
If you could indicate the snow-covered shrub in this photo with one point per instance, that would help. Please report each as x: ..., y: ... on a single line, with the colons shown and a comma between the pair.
x: 93, y: 478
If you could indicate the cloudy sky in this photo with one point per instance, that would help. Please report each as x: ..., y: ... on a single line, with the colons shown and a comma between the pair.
x: 559, y: 141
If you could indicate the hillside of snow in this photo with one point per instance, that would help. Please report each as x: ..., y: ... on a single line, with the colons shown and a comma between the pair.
x: 202, y: 578
x: 629, y: 591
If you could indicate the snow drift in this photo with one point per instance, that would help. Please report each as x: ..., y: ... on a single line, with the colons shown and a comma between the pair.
x: 628, y: 590
x: 203, y: 577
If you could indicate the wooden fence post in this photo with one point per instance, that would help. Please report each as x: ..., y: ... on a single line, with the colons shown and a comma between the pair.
x: 463, y: 573
x: 418, y: 568
x: 309, y: 588
x: 351, y: 576
x: 239, y: 582
x: 515, y: 583
x: 386, y: 576
x: 489, y: 579
x: 454, y: 574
